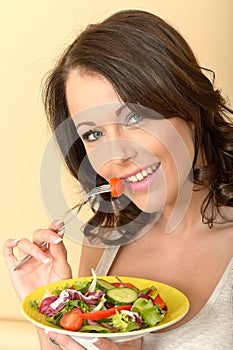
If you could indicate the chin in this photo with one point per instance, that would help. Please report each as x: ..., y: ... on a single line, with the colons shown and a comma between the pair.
x: 149, y: 203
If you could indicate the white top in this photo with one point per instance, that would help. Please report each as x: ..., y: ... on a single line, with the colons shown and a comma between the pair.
x: 210, y: 329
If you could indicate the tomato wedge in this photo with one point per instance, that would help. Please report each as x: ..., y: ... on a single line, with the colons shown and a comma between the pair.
x: 72, y: 320
x: 123, y: 284
x: 117, y: 186
x: 98, y: 315
x: 159, y: 301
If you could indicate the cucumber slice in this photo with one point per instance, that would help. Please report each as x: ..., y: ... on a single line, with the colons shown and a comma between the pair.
x: 122, y: 295
x: 103, y: 285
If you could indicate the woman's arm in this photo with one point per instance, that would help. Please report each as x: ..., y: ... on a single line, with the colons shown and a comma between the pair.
x: 47, y: 265
x: 47, y: 342
x: 67, y: 343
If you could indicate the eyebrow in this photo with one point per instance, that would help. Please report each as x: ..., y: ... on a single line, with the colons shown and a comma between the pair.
x: 118, y: 112
x: 85, y: 123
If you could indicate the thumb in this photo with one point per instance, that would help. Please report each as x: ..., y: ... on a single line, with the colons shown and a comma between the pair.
x: 105, y: 344
x: 65, y: 342
x: 61, y: 266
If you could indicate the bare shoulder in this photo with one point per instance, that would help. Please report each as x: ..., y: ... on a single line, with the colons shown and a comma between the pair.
x: 90, y: 257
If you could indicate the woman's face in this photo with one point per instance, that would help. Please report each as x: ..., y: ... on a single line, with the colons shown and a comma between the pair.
x: 152, y: 156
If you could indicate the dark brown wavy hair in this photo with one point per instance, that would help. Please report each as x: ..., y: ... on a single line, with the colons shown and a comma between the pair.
x: 149, y: 63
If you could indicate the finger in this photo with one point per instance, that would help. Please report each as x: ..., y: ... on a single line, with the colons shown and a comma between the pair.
x: 105, y: 344
x: 26, y: 247
x: 66, y: 342
x: 57, y: 250
x: 61, y: 267
x: 58, y: 226
x: 46, y: 235
x: 8, y: 253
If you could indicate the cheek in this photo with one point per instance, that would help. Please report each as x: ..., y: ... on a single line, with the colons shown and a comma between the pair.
x: 100, y: 157
x: 177, y: 166
x: 178, y: 152
x: 154, y: 199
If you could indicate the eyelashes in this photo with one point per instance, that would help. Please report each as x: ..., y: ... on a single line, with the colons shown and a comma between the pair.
x: 131, y: 120
x: 92, y: 135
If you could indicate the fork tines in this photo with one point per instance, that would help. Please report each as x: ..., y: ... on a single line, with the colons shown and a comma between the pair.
x: 98, y: 190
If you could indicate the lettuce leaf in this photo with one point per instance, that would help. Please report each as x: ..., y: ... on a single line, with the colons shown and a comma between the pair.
x: 82, y: 286
x: 123, y: 322
x: 98, y: 329
x: 69, y: 306
x: 151, y: 314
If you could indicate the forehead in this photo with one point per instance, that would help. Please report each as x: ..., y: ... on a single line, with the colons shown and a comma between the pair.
x: 84, y: 91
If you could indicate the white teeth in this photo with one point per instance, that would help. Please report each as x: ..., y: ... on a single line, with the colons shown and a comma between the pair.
x: 133, y: 179
x: 139, y: 176
x: 149, y: 170
x: 143, y: 174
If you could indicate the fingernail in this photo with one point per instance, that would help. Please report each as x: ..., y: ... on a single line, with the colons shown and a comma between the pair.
x: 58, y: 240
x: 97, y: 342
x: 16, y: 241
x: 58, y: 223
x: 60, y: 227
x: 90, y: 344
x: 61, y: 231
x: 43, y: 259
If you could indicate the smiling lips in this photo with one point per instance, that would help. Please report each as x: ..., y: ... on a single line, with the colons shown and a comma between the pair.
x: 143, y: 174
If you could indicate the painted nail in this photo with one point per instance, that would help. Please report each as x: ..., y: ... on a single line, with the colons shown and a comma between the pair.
x: 43, y: 259
x: 58, y: 240
x: 61, y: 232
x: 97, y: 342
x: 89, y: 344
x: 58, y: 223
x: 16, y: 241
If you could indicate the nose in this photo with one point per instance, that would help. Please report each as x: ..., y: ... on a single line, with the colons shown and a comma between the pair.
x: 112, y: 153
x: 121, y: 151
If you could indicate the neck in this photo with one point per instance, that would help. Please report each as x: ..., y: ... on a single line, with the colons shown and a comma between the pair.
x: 185, y: 212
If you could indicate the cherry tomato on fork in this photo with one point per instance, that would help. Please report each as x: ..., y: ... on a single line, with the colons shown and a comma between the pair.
x: 117, y: 186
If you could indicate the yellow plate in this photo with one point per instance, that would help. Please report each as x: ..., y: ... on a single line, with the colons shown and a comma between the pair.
x: 177, y: 304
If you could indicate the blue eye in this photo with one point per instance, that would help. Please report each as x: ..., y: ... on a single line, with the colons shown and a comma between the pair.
x: 133, y: 119
x: 92, y: 135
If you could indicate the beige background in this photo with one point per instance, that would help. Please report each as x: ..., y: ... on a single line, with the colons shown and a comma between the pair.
x: 33, y: 34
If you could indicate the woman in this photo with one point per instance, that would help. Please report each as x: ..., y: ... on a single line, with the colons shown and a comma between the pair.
x: 134, y: 104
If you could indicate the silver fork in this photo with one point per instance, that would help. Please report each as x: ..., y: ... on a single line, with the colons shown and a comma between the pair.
x: 91, y: 193
x: 98, y: 190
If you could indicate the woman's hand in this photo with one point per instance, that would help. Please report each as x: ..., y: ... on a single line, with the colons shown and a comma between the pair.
x: 48, y: 264
x: 67, y: 343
